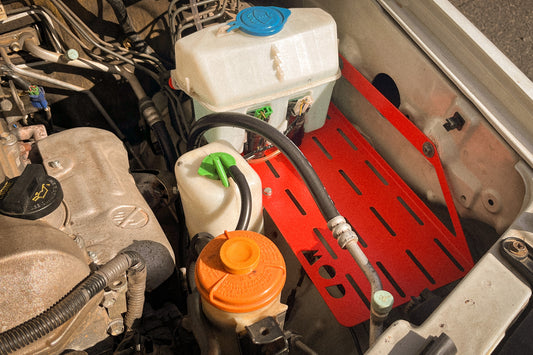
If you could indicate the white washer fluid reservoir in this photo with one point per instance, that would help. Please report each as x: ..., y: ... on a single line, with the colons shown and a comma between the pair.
x: 268, y: 56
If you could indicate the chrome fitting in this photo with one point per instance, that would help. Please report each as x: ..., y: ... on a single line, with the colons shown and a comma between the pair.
x: 347, y: 236
x: 342, y: 231
x: 335, y: 221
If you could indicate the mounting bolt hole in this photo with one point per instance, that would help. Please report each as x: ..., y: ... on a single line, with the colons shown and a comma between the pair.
x: 491, y: 201
x: 264, y: 331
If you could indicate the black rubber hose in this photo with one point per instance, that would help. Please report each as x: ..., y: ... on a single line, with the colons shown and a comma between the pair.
x: 198, y: 243
x: 278, y: 139
x: 191, y: 274
x: 153, y: 118
x: 163, y: 137
x: 201, y: 328
x: 39, y: 326
x: 124, y: 21
x: 246, y: 197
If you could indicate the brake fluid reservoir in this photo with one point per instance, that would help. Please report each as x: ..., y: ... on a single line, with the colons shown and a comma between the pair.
x: 208, y: 205
x: 239, y: 276
x: 269, y: 56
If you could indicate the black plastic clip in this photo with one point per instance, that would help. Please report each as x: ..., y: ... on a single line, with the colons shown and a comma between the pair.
x: 455, y: 122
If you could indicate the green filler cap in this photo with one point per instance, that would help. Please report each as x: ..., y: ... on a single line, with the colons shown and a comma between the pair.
x: 216, y: 167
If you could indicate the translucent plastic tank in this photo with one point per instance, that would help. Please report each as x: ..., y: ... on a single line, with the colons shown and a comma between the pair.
x: 240, y: 276
x: 248, y: 68
x: 208, y: 205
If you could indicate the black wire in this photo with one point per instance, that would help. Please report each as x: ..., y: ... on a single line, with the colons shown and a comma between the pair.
x: 90, y: 36
x: 155, y: 76
x: 183, y: 234
x: 165, y: 142
x: 121, y: 13
x: 78, y: 25
x: 284, y: 144
x: 291, y: 299
x: 246, y: 197
x: 44, y: 12
x: 356, y: 341
x: 201, y: 328
x: 145, y: 58
x: 175, y: 117
x: 173, y: 113
x: 181, y: 115
x: 268, y: 146
x: 75, y: 22
x: 257, y: 151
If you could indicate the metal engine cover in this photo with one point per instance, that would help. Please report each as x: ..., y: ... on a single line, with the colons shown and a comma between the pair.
x: 39, y: 266
x: 102, y: 204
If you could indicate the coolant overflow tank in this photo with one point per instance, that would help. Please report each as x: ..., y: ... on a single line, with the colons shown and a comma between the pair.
x: 239, y: 276
x: 208, y: 205
x: 268, y: 56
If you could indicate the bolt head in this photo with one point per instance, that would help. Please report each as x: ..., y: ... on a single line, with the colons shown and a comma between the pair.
x: 267, y: 191
x: 116, y: 327
x: 109, y: 299
x: 93, y: 256
x: 6, y: 105
x: 54, y: 164
x: 428, y: 149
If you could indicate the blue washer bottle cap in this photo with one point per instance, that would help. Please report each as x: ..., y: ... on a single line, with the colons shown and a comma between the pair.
x: 260, y: 20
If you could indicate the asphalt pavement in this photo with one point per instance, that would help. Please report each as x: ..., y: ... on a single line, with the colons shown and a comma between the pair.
x: 508, y: 24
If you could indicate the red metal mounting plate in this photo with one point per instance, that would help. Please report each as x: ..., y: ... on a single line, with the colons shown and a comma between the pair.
x: 407, y: 244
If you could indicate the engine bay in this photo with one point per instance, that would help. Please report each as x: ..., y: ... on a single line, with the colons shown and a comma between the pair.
x: 230, y: 177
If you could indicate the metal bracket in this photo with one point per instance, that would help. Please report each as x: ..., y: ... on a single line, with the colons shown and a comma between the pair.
x: 265, y: 337
x: 14, y: 40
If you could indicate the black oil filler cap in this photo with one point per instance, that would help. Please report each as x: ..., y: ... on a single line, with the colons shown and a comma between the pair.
x: 32, y: 195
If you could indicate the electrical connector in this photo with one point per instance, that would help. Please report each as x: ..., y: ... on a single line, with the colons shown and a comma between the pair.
x: 263, y: 113
x: 37, y: 97
x: 302, y: 106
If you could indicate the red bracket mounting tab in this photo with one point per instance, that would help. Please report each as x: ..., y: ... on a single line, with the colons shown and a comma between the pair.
x: 408, y: 129
x: 407, y: 244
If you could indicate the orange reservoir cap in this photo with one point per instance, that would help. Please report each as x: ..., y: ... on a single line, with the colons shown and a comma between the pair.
x: 240, y: 271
